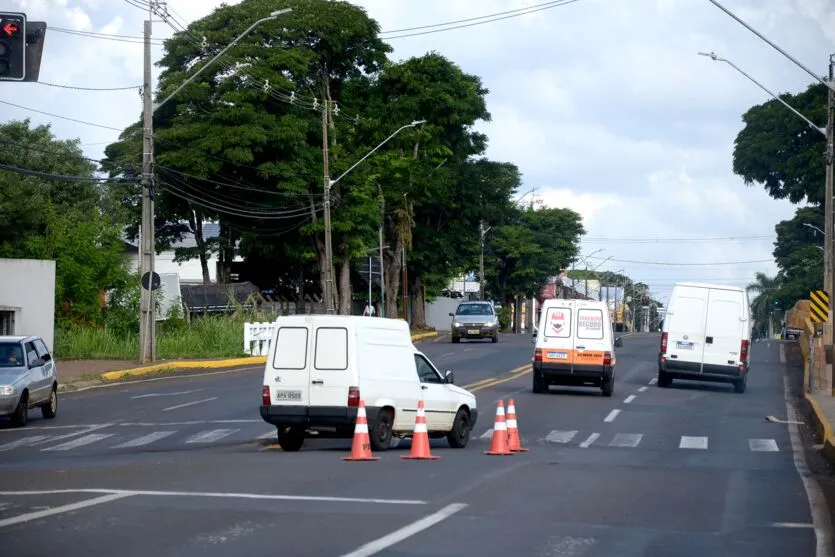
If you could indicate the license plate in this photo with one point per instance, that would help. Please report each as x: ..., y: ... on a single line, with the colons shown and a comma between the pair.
x: 288, y: 395
x: 558, y: 355
x: 473, y: 331
x: 684, y: 345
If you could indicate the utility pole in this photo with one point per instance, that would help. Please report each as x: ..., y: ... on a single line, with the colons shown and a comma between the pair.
x: 382, y: 265
x: 829, y: 274
x: 147, y: 317
x: 329, y: 301
x: 482, y: 232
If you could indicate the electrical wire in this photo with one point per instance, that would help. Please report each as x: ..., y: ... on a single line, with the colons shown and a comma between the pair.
x: 133, y: 87
x: 685, y: 264
x: 238, y: 185
x: 58, y: 177
x: 46, y: 151
x: 61, y: 117
x: 677, y: 240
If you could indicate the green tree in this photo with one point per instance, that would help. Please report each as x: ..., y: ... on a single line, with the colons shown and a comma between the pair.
x: 798, y: 252
x: 45, y: 218
x: 781, y: 152
x: 766, y: 290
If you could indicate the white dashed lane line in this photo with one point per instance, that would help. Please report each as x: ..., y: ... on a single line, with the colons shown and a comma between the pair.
x: 629, y: 399
x: 612, y: 415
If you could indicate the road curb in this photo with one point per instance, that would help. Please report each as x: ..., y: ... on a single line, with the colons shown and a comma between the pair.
x: 111, y: 376
x: 823, y: 428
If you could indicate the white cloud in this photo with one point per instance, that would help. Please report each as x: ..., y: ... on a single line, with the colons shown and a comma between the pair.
x: 605, y: 106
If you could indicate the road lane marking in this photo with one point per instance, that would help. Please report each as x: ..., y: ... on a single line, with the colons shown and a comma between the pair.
x: 85, y: 429
x: 520, y: 371
x: 378, y: 545
x: 692, y: 442
x: 152, y: 395
x: 80, y: 442
x: 817, y: 500
x: 22, y: 442
x: 144, y: 440
x: 191, y: 422
x: 629, y: 399
x: 560, y: 436
x: 782, y: 353
x: 487, y: 435
x: 791, y: 525
x: 177, y: 375
x: 591, y: 439
x: 63, y: 509
x: 763, y: 445
x: 612, y: 415
x: 192, y: 403
x: 626, y: 440
x: 642, y: 389
x: 653, y: 381
x: 220, y: 495
x: 211, y: 436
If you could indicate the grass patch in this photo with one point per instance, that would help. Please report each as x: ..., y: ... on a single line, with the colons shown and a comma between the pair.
x: 206, y: 337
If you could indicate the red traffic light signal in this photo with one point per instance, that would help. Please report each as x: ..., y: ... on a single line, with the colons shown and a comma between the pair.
x: 12, y: 46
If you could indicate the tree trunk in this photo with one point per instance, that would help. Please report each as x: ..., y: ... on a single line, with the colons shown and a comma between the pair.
x: 346, y: 297
x: 197, y: 226
x: 225, y: 254
x: 418, y: 295
x: 393, y: 268
x: 300, y: 303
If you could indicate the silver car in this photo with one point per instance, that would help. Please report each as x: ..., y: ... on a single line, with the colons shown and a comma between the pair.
x: 28, y: 379
x: 475, y: 320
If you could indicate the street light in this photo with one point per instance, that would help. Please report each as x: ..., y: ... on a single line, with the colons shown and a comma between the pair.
x: 716, y: 58
x: 813, y: 226
x: 329, y: 302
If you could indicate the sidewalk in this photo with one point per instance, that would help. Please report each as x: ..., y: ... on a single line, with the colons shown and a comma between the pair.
x: 73, y: 374
x: 822, y: 406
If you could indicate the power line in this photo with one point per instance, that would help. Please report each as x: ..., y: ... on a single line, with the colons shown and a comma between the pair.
x: 57, y: 177
x: 47, y: 151
x: 237, y: 185
x: 667, y: 264
x: 649, y: 240
x: 137, y: 87
x: 61, y: 117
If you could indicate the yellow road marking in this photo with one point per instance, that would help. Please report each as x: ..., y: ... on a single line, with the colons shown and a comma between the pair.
x: 514, y: 374
x: 492, y: 379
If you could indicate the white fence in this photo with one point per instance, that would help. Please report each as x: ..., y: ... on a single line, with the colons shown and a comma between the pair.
x: 257, y: 338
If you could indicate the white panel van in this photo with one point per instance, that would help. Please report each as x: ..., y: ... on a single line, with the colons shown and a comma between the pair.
x: 574, y: 346
x: 320, y: 366
x: 706, y: 335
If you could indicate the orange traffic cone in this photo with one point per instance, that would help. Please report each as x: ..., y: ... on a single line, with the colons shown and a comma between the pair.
x: 361, y: 446
x: 499, y: 444
x: 514, y: 443
x: 420, y: 438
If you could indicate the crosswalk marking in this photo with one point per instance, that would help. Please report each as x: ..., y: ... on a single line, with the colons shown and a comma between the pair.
x: 692, y: 442
x: 591, y: 439
x: 269, y: 435
x: 487, y: 435
x: 79, y: 442
x: 763, y: 445
x: 144, y: 440
x: 211, y: 435
x: 626, y: 440
x: 560, y: 436
x: 22, y: 442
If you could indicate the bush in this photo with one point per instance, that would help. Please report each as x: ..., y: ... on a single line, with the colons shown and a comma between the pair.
x: 504, y: 318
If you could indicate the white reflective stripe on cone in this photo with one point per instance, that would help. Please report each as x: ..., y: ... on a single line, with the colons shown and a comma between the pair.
x: 500, y: 411
x: 361, y: 412
x: 420, y: 428
x: 361, y: 428
x: 511, y: 423
x: 500, y: 427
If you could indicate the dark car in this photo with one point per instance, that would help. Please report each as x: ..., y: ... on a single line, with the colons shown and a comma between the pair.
x: 475, y: 320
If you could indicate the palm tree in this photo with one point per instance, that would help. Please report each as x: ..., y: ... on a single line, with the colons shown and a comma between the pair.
x: 765, y: 288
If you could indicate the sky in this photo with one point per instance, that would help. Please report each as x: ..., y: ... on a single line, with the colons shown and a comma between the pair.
x: 604, y: 105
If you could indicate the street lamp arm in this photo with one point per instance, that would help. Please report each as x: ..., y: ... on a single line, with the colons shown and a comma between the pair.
x: 372, y: 151
x: 191, y: 78
x: 813, y: 226
x: 774, y: 46
x: 716, y: 58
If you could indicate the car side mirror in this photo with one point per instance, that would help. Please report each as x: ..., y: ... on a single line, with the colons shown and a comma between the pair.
x: 452, y: 314
x: 618, y: 341
x: 449, y: 377
x: 36, y: 363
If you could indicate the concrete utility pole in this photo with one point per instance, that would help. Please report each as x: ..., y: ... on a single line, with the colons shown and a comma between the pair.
x: 482, y: 233
x: 329, y: 301
x: 829, y: 212
x: 147, y: 302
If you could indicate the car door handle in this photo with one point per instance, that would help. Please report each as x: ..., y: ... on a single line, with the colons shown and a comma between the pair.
x: 581, y: 348
x: 424, y: 387
x: 318, y: 382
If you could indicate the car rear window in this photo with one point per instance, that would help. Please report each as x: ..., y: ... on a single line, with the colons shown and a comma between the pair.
x: 475, y: 309
x: 11, y: 354
x: 291, y: 348
x: 558, y: 323
x: 590, y: 324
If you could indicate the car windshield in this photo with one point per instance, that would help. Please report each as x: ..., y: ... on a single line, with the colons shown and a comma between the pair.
x: 11, y: 354
x: 474, y: 309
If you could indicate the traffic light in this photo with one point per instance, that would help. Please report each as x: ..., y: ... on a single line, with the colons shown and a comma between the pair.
x: 12, y: 46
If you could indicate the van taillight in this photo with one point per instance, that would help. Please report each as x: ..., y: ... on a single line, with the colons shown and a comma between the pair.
x: 607, y: 358
x: 353, y: 397
x: 266, y: 399
x: 537, y: 355
x: 663, y: 343
x: 743, y: 351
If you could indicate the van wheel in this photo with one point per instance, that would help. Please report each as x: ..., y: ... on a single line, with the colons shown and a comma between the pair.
x: 290, y: 439
x: 608, y: 387
x: 539, y: 385
x: 664, y: 379
x: 380, y: 435
x: 460, y: 434
x: 741, y: 384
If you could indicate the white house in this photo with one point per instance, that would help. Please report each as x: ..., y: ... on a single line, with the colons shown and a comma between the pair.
x: 27, y: 298
x: 188, y: 272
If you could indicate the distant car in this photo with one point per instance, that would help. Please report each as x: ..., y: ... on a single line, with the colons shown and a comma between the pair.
x: 28, y: 379
x: 475, y: 320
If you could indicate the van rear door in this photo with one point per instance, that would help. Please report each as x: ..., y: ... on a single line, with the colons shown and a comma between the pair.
x: 557, y: 344
x: 723, y: 331
x: 590, y: 343
x: 330, y: 375
x: 290, y: 382
x: 686, y: 328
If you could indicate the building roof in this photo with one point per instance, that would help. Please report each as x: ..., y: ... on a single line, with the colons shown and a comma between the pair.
x: 210, y: 230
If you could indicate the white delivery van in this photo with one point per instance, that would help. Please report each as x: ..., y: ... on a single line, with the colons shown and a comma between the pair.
x: 706, y: 335
x: 320, y: 366
x: 574, y: 346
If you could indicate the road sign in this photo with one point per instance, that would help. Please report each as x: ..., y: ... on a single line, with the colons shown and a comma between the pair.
x: 147, y: 284
x: 819, y: 306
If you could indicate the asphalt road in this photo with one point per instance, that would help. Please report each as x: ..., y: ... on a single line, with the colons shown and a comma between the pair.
x: 175, y: 466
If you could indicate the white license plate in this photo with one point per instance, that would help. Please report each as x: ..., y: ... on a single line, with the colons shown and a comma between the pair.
x: 288, y: 395
x: 684, y: 345
x: 558, y: 355
x: 473, y: 331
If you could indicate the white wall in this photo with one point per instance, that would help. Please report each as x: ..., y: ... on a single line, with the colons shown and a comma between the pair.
x: 189, y: 271
x: 27, y: 287
x: 438, y: 310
